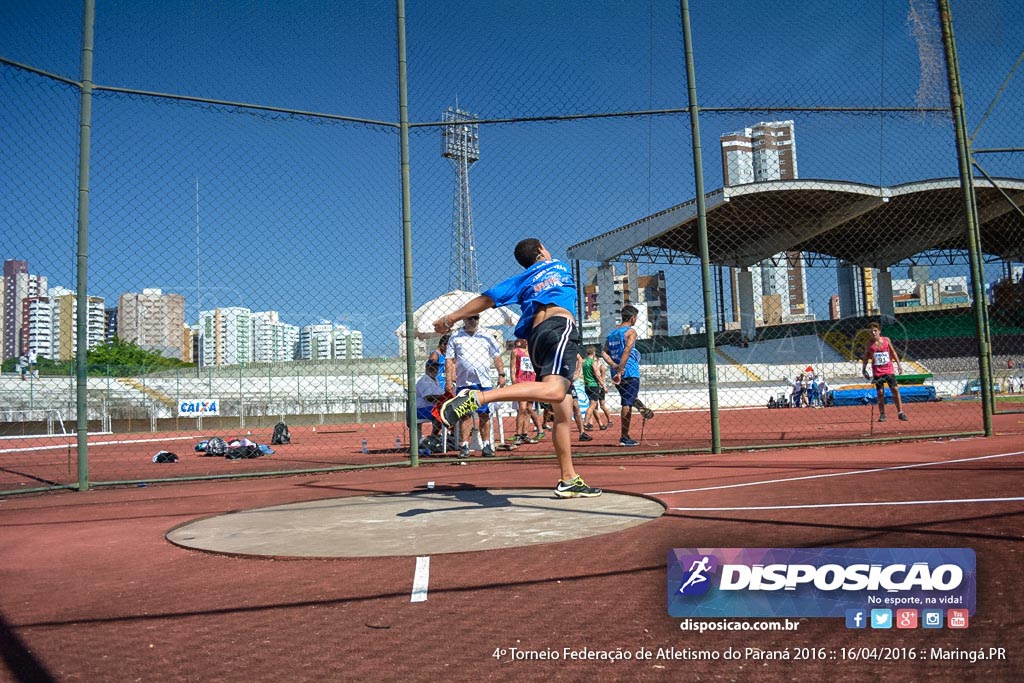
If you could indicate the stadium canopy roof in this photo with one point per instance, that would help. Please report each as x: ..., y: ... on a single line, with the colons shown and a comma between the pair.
x: 866, y: 225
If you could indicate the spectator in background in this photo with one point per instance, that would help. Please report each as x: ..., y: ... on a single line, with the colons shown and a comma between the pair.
x: 23, y: 366
x: 796, y: 396
x: 814, y: 398
x: 577, y: 415
x: 469, y: 359
x: 594, y: 373
x: 624, y: 361
x: 437, y: 355
x: 428, y: 392
x: 521, y: 369
x: 33, y: 359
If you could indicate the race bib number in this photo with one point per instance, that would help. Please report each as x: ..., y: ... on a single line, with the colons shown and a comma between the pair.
x: 525, y: 364
x: 881, y: 357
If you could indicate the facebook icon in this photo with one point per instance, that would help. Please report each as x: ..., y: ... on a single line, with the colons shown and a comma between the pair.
x: 856, y: 618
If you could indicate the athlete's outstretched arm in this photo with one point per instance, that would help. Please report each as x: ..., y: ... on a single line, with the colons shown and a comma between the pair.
x: 475, y: 305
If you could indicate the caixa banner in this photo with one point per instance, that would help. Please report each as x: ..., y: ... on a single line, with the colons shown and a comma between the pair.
x: 198, y: 407
x: 816, y: 582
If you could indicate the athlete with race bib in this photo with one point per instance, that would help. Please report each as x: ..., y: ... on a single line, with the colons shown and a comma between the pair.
x: 885, y: 365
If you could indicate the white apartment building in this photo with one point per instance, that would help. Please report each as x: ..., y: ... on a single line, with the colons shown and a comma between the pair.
x: 326, y: 341
x: 225, y: 336
x: 38, y: 313
x: 316, y: 341
x: 64, y: 325
x: 762, y: 153
x: 18, y: 285
x: 348, y: 344
x: 273, y: 340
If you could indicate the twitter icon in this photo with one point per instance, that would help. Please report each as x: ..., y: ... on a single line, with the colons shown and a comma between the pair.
x: 881, y: 618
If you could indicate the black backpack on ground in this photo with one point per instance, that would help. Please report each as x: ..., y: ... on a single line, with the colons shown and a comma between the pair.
x: 217, y: 446
x: 281, y: 435
x: 243, y: 452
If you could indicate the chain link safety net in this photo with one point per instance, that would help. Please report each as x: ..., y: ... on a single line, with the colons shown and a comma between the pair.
x: 246, y: 262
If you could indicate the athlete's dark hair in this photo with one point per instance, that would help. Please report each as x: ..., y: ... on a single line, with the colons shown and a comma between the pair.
x: 873, y: 326
x: 527, y: 251
x: 629, y: 312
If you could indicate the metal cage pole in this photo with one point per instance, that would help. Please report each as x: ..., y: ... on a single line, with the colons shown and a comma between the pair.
x: 956, y: 105
x: 702, y: 230
x: 410, y: 330
x: 81, y: 296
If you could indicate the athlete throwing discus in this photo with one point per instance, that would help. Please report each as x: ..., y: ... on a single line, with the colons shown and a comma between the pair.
x: 546, y: 294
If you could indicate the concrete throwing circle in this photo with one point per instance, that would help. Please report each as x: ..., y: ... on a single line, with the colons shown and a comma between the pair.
x: 429, y: 522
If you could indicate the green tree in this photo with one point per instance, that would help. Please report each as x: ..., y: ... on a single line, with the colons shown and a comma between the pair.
x: 128, y: 358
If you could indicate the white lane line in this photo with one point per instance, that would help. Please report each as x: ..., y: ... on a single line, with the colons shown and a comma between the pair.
x: 835, y: 474
x: 854, y: 505
x: 71, y: 444
x: 420, y: 580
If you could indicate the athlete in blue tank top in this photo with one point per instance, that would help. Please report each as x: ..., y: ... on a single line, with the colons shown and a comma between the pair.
x: 617, y: 346
x: 546, y: 294
x: 624, y: 363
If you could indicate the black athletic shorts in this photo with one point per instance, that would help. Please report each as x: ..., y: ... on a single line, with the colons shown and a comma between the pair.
x: 885, y: 379
x: 553, y: 347
x: 595, y: 392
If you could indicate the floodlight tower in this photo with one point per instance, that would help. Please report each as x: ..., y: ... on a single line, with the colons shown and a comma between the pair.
x: 460, y: 144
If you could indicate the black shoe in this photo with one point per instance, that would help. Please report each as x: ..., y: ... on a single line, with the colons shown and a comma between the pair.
x: 577, y: 488
x: 882, y: 418
x: 903, y: 417
x: 586, y: 437
x: 487, y: 451
x: 454, y: 409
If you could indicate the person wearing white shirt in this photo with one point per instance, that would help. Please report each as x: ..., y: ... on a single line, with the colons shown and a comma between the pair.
x: 469, y: 358
x: 428, y: 392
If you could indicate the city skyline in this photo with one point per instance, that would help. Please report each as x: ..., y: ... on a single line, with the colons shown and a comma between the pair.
x: 155, y: 321
x: 303, y: 214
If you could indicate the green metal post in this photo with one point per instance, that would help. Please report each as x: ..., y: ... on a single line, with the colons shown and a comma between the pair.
x: 702, y: 230
x: 956, y: 104
x: 410, y: 330
x: 81, y: 296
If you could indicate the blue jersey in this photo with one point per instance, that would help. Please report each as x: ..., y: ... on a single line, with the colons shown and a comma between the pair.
x: 440, y: 370
x: 545, y: 282
x: 616, y: 345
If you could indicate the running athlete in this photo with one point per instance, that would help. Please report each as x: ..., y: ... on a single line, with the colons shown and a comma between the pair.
x: 546, y: 293
x: 885, y: 365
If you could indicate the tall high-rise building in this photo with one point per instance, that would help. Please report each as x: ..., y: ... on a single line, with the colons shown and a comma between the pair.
x: 110, y: 324
x: 327, y: 340
x: 37, y: 325
x: 857, y: 295
x: 762, y: 153
x: 225, y: 336
x: 348, y: 344
x: 153, y: 320
x: 64, y: 304
x: 648, y: 293
x: 18, y: 285
x: 273, y: 340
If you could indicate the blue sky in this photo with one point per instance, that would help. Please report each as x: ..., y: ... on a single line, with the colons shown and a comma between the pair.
x: 303, y: 216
